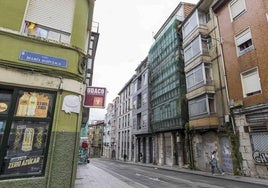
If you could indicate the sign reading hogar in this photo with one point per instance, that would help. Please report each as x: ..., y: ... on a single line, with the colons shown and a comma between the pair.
x: 95, y: 97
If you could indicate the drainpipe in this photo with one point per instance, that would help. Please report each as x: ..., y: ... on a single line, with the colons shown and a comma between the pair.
x: 225, y: 79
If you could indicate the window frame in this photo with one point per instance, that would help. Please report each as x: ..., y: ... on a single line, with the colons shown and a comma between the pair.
x: 239, y: 13
x: 206, y: 98
x: 191, y: 24
x: 206, y: 71
x: 243, y: 38
x: 249, y: 73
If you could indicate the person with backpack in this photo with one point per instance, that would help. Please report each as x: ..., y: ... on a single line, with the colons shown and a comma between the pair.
x: 214, y: 164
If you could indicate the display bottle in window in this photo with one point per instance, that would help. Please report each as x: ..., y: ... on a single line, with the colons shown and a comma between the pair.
x: 27, y: 142
x: 32, y: 105
x: 23, y: 105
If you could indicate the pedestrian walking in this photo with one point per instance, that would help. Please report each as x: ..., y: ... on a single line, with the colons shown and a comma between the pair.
x: 125, y: 157
x: 140, y: 156
x: 214, y: 164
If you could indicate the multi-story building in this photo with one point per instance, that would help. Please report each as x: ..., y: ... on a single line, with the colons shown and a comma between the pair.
x: 44, y: 50
x: 167, y: 91
x: 115, y: 125
x: 141, y: 129
x: 95, y: 138
x: 206, y: 89
x: 125, y: 139
x: 243, y: 29
x: 108, y: 133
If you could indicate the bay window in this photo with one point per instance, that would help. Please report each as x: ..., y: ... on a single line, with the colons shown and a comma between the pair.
x: 203, y: 105
x: 190, y: 24
x: 199, y: 76
x: 200, y: 45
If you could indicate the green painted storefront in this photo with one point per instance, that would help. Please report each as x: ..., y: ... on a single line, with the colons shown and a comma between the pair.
x: 41, y: 149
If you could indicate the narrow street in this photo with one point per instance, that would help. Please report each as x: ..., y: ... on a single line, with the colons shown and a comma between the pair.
x: 100, y: 173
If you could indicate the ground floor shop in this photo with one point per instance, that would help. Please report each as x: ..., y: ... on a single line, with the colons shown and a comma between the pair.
x: 252, y: 124
x: 204, y: 143
x: 38, y: 138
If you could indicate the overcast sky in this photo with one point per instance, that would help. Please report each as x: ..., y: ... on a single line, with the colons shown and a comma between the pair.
x: 126, y: 30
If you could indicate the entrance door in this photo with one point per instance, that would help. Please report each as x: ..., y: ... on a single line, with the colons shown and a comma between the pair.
x: 226, y: 155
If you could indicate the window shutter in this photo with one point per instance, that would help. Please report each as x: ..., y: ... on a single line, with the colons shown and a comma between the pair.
x: 243, y: 37
x: 251, y: 82
x: 53, y: 14
x: 237, y: 6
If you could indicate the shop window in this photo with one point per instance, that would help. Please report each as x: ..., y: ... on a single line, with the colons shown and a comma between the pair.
x: 26, y: 118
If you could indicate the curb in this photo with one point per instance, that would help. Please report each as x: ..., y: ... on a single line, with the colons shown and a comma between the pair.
x: 227, y: 176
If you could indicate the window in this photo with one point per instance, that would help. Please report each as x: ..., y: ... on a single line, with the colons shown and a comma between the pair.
x: 144, y: 120
x: 144, y: 98
x: 145, y: 78
x: 192, y: 49
x: 25, y: 125
x: 208, y: 18
x: 251, y: 82
x: 190, y: 25
x: 139, y: 121
x: 237, y: 7
x: 196, y: 77
x: 203, y: 105
x: 244, y: 42
x: 43, y: 19
x: 139, y: 101
x: 139, y: 82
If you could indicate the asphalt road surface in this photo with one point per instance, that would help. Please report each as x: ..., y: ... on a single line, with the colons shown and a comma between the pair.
x: 138, y: 176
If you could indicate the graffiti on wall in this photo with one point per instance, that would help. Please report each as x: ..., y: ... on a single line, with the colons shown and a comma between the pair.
x: 260, y: 157
x: 209, y: 147
x: 226, y: 155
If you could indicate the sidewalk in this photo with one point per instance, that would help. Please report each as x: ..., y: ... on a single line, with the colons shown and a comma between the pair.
x: 100, y: 178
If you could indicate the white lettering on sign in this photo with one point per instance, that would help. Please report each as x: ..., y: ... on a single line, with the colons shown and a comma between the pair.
x: 96, y: 91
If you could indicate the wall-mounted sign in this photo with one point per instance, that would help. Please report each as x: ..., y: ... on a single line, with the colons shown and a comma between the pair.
x: 71, y: 103
x: 95, y: 97
x: 42, y: 59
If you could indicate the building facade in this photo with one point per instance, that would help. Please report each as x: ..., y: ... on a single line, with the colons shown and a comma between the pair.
x: 243, y: 29
x: 95, y: 138
x: 125, y: 138
x: 167, y: 87
x: 206, y: 89
x: 42, y: 63
x: 141, y: 124
x: 109, y: 135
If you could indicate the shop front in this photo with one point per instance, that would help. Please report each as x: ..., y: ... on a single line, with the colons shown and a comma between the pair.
x: 26, y: 117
